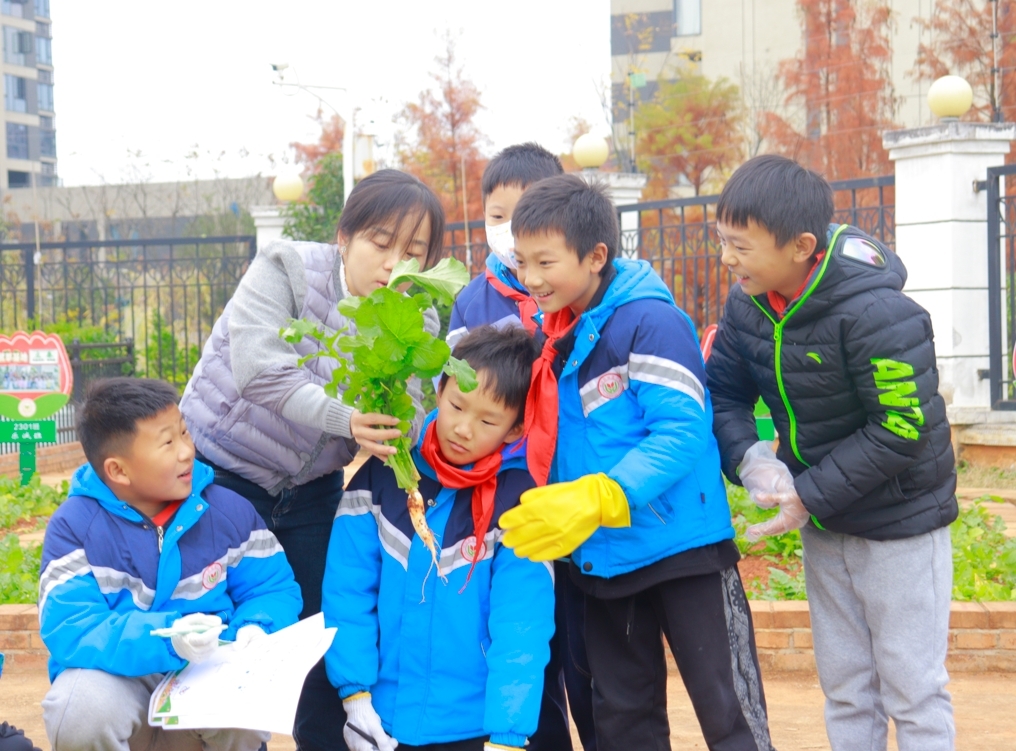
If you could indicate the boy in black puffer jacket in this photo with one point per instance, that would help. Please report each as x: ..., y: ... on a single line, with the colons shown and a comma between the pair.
x: 820, y: 329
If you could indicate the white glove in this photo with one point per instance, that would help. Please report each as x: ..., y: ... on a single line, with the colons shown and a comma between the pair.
x: 764, y: 476
x: 247, y: 635
x: 361, y: 715
x: 793, y: 515
x: 199, y: 643
x: 488, y: 746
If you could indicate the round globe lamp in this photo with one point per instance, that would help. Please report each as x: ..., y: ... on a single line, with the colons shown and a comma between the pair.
x: 590, y: 151
x: 288, y: 186
x: 950, y: 97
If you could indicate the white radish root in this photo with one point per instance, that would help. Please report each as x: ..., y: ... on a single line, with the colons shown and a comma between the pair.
x: 418, y: 517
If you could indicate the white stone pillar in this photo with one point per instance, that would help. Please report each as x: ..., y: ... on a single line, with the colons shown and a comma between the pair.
x: 268, y: 223
x: 625, y: 188
x: 941, y: 236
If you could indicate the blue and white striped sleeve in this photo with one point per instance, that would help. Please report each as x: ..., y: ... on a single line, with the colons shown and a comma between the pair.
x: 667, y: 376
x: 352, y: 581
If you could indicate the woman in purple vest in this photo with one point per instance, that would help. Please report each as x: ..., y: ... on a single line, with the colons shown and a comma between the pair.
x: 266, y: 426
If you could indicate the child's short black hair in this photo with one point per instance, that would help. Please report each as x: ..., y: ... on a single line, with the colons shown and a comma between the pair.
x: 506, y: 355
x: 780, y: 195
x: 580, y: 211
x: 520, y: 165
x: 108, y: 420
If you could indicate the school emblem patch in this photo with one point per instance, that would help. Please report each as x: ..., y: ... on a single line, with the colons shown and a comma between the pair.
x: 468, y: 548
x: 610, y: 385
x: 212, y: 575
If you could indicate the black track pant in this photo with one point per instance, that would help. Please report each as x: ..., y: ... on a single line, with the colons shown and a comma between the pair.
x: 706, y: 621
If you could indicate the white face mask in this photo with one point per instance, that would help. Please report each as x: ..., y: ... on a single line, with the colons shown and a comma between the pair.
x: 501, y: 242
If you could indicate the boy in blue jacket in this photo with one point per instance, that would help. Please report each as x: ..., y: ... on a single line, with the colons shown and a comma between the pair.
x: 620, y: 421
x: 497, y: 297
x: 445, y: 658
x: 146, y: 541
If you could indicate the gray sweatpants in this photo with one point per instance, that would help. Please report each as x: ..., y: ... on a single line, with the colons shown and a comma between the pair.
x: 90, y: 710
x: 880, y: 625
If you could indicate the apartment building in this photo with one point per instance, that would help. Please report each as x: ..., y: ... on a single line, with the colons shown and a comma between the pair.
x: 29, y: 133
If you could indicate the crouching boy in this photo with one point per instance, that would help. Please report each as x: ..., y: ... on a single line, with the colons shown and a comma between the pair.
x: 619, y: 418
x: 146, y: 541
x: 447, y: 658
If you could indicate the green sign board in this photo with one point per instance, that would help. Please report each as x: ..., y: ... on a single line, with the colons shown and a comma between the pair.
x: 28, y: 431
x: 637, y: 80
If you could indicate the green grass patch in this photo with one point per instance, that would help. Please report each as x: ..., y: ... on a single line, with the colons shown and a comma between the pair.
x: 23, y: 509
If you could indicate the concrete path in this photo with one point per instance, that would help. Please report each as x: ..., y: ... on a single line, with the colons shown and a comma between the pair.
x: 984, y: 712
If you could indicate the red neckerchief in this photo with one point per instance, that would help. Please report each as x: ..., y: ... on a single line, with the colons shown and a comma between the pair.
x: 541, y: 404
x: 527, y: 305
x: 482, y: 478
x: 160, y: 519
x: 779, y: 302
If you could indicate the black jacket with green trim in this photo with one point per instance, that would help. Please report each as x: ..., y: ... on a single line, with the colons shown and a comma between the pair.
x: 850, y: 376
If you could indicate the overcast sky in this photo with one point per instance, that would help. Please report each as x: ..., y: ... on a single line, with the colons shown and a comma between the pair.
x: 168, y: 79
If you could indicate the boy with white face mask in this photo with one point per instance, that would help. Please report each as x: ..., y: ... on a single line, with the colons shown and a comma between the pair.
x: 498, y: 298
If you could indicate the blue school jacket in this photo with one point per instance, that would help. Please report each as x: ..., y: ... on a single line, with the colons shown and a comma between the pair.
x: 479, y: 304
x: 105, y: 584
x: 633, y: 404
x: 444, y: 660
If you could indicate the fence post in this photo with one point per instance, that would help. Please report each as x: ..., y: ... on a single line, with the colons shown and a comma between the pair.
x: 941, y: 235
x: 994, y: 292
x: 30, y: 282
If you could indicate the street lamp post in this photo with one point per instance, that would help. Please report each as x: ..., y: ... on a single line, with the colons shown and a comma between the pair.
x: 348, y: 115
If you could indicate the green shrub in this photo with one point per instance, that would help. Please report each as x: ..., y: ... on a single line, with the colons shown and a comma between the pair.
x: 984, y: 559
x: 19, y: 503
x: 19, y: 571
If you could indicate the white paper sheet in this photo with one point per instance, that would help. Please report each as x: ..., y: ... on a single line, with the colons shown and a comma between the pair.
x: 255, y: 688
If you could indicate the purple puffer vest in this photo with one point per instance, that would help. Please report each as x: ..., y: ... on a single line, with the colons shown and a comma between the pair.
x: 247, y: 434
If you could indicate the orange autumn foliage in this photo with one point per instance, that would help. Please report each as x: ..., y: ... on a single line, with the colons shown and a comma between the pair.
x: 330, y: 141
x: 960, y: 44
x: 839, y: 91
x: 446, y: 137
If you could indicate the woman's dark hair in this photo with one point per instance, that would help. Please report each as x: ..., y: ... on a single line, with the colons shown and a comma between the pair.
x: 506, y: 355
x: 779, y: 195
x: 108, y: 420
x: 391, y: 197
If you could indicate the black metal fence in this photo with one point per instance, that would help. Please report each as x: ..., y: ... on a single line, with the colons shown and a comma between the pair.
x: 678, y: 237
x: 155, y: 300
x: 1001, y: 189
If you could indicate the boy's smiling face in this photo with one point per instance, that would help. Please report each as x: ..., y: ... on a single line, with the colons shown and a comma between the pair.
x: 553, y: 273
x: 760, y: 265
x: 156, y: 466
x: 473, y: 425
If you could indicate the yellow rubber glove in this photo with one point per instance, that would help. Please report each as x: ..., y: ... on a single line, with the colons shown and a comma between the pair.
x: 552, y: 521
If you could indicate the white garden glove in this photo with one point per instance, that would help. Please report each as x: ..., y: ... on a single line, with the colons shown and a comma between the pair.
x: 793, y: 515
x: 361, y: 715
x: 201, y: 641
x: 764, y: 476
x: 247, y: 635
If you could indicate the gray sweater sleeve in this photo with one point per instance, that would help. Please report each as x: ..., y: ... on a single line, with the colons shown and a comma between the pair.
x: 269, y: 295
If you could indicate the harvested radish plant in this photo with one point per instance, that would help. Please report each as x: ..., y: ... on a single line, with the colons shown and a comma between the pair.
x: 390, y: 346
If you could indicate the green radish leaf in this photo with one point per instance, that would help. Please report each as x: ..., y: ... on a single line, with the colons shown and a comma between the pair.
x: 463, y: 374
x: 444, y: 281
x: 429, y: 357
